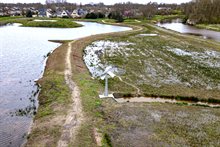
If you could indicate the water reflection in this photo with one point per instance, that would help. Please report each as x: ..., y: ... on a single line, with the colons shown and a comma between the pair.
x: 178, y: 26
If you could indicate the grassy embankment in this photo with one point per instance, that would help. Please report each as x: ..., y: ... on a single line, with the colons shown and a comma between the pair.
x: 54, y: 101
x: 153, y: 124
x: 159, y: 18
x: 89, y: 89
x: 29, y: 22
x: 214, y: 27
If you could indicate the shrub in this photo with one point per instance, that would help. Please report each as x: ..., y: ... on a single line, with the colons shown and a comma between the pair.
x: 29, y: 13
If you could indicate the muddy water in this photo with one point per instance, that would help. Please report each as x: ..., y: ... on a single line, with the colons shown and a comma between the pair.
x: 161, y: 100
x: 23, y: 53
x: 176, y: 25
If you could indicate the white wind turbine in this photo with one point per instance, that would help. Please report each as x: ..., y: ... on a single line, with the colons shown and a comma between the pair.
x: 106, y: 74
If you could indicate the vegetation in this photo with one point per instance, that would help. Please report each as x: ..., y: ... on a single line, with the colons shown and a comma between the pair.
x: 117, y: 16
x: 65, y: 23
x: 214, y: 27
x: 29, y: 13
x: 29, y: 22
x: 203, y: 11
x: 93, y: 15
x: 54, y: 101
x: 135, y: 123
x: 160, y: 18
x: 157, y: 65
x: 155, y: 124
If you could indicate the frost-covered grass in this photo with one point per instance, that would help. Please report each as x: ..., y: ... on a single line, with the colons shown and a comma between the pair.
x: 163, y: 64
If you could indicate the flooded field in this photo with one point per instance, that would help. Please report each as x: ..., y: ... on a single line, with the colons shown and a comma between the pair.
x: 157, y: 64
x: 23, y: 53
x: 178, y: 26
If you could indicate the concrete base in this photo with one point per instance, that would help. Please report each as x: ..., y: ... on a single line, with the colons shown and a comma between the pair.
x: 109, y: 96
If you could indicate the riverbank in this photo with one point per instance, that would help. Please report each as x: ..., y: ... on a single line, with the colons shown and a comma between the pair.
x: 54, y: 102
x: 214, y: 27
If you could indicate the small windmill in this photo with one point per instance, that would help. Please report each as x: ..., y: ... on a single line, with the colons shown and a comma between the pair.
x: 106, y: 74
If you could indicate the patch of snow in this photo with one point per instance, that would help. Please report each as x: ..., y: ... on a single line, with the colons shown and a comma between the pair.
x: 150, y: 35
x: 97, y: 49
x: 179, y: 52
x: 39, y: 20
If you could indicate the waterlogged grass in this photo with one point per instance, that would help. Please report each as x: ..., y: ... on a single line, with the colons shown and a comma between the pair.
x: 142, y: 124
x: 214, y: 27
x: 166, y: 64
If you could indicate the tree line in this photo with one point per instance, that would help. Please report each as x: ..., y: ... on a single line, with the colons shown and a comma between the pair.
x: 202, y: 11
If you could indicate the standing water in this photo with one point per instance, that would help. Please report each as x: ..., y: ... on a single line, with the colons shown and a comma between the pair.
x: 23, y: 52
x: 178, y: 26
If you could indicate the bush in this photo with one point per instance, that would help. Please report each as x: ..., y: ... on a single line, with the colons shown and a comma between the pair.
x: 91, y: 16
x: 95, y: 15
x: 117, y: 16
x: 29, y: 13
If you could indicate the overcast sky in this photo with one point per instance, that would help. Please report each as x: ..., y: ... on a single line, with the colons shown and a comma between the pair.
x: 96, y: 1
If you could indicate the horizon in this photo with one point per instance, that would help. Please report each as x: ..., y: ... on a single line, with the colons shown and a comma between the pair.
x: 112, y: 2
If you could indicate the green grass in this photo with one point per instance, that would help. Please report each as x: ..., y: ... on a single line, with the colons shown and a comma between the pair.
x: 58, y: 24
x: 89, y: 91
x: 155, y: 124
x: 159, y: 18
x: 155, y: 70
x: 54, y: 92
x: 28, y: 22
x: 214, y: 27
x: 54, y: 102
x: 139, y: 124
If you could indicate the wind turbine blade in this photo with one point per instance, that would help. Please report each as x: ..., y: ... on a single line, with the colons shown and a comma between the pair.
x: 103, y: 77
x: 111, y: 74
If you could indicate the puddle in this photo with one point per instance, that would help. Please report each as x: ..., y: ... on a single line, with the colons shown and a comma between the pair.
x: 161, y: 100
x: 150, y: 35
x: 206, y: 57
x: 94, y: 52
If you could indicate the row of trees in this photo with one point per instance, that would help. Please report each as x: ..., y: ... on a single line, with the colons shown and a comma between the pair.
x: 203, y: 11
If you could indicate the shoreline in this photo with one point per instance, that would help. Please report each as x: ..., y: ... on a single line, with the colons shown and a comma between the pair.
x: 50, y: 70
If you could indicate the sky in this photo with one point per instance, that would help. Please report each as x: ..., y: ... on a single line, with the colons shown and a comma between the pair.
x: 97, y: 1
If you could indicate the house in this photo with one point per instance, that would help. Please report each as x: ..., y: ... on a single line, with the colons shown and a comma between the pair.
x: 15, y: 11
x: 79, y: 13
x: 75, y: 14
x: 1, y: 12
x: 63, y: 14
x: 42, y: 13
x: 49, y: 13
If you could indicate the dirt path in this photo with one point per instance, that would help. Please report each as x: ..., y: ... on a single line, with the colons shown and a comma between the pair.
x: 74, y: 116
